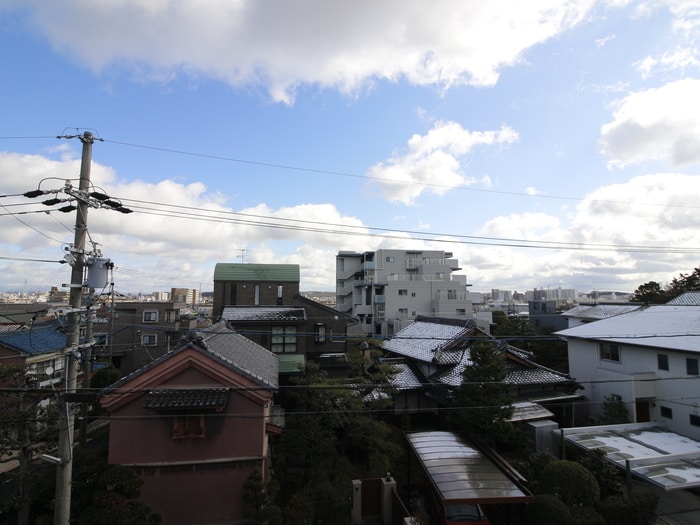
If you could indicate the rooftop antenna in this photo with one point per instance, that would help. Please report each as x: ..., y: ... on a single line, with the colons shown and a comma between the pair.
x: 242, y: 255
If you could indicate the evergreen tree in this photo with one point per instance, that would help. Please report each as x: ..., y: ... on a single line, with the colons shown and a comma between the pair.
x: 27, y: 429
x: 331, y: 436
x: 483, y: 403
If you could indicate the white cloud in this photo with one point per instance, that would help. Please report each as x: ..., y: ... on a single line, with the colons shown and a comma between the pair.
x: 645, y: 214
x: 174, y: 237
x: 343, y: 44
x: 681, y: 59
x: 432, y: 162
x: 660, y: 124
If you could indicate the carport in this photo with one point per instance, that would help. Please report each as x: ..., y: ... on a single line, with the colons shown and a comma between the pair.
x: 460, y: 473
x: 646, y: 451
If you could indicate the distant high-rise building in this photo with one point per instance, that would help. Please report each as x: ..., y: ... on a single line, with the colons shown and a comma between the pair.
x: 188, y: 296
x: 387, y: 289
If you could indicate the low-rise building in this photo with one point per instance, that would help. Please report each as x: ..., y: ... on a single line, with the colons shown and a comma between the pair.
x: 648, y: 358
x: 194, y: 424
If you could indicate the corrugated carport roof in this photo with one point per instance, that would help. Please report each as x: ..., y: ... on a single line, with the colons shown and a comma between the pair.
x: 460, y: 472
x: 652, y: 453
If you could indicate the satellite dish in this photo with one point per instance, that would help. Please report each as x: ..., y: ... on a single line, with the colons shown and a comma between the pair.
x: 49, y: 371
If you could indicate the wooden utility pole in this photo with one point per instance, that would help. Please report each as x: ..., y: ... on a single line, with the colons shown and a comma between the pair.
x: 64, y: 471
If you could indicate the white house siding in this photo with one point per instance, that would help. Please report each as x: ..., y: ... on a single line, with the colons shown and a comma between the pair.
x: 637, y: 379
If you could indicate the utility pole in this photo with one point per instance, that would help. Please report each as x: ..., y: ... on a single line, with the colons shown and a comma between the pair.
x: 64, y: 471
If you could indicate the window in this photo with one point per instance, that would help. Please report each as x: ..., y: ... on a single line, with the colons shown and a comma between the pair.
x: 662, y: 361
x: 403, y: 292
x: 413, y: 294
x: 666, y: 412
x: 280, y: 294
x: 320, y: 333
x: 150, y: 316
x: 390, y: 259
x: 284, y: 339
x: 691, y: 366
x: 188, y: 426
x: 440, y: 276
x: 610, y: 352
x: 256, y: 295
x: 149, y: 339
x: 695, y: 420
x: 452, y: 294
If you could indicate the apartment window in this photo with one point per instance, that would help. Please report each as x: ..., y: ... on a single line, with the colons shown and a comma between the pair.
x: 320, y: 333
x: 188, y: 426
x: 256, y: 295
x: 610, y: 352
x: 413, y: 294
x: 440, y: 276
x: 403, y: 312
x: 403, y: 292
x: 390, y: 259
x: 284, y: 339
x: 150, y: 316
x: 149, y: 339
x: 695, y: 420
x: 452, y: 294
x: 280, y: 295
x: 691, y: 366
x: 662, y: 361
x: 666, y: 412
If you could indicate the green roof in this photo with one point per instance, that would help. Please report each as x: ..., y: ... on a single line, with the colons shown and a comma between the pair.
x: 256, y: 272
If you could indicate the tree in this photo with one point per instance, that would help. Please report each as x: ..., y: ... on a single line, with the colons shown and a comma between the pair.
x: 331, y: 437
x: 258, y: 498
x: 649, y: 293
x: 26, y: 430
x: 653, y: 293
x: 571, y: 482
x: 614, y: 411
x: 115, y: 500
x: 483, y: 402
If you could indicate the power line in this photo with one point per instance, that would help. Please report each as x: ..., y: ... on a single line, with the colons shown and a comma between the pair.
x: 370, y: 178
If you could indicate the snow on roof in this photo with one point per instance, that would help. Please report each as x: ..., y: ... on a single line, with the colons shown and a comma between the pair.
x: 423, y: 338
x: 599, y: 311
x: 661, y: 326
x: 663, y: 458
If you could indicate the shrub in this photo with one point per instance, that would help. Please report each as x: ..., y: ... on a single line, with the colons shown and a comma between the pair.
x: 571, y: 482
x: 637, y: 509
x: 586, y: 516
x: 546, y: 508
x: 533, y: 467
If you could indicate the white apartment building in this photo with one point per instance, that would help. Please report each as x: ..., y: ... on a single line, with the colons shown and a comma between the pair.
x: 387, y: 289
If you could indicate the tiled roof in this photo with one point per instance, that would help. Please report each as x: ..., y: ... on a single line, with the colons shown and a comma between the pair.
x: 256, y: 272
x: 187, y: 398
x: 599, y: 311
x: 686, y: 299
x: 34, y: 341
x: 432, y: 339
x: 226, y: 346
x: 416, y: 345
x: 263, y: 313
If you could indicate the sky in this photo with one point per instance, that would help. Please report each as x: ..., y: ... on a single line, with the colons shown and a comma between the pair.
x: 545, y: 144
